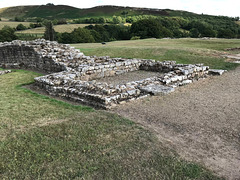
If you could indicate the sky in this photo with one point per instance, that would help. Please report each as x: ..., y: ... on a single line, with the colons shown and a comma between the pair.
x: 212, y: 7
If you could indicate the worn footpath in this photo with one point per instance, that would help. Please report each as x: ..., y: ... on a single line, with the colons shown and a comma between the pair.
x: 200, y: 121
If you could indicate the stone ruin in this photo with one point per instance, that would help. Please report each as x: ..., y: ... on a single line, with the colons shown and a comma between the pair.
x: 74, y: 76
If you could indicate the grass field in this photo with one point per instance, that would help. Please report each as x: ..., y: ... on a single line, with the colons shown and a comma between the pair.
x: 42, y: 138
x: 58, y: 28
x: 189, y: 51
x: 12, y: 24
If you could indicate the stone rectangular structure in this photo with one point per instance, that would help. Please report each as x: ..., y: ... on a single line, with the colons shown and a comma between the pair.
x: 73, y: 75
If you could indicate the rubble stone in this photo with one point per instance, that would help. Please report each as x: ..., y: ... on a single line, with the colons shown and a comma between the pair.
x: 5, y: 72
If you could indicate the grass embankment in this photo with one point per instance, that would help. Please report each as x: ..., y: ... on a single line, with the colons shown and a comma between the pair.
x: 187, y: 51
x: 48, y: 139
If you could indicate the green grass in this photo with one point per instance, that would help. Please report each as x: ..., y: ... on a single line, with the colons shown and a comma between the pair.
x: 189, y: 51
x: 42, y: 138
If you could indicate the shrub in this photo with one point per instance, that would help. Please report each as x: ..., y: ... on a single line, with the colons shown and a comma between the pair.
x: 82, y: 36
x: 20, y: 27
x: 19, y: 19
x: 7, y: 34
x: 135, y: 38
x: 150, y: 28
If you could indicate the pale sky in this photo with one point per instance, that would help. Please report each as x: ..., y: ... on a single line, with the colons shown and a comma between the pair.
x: 211, y: 7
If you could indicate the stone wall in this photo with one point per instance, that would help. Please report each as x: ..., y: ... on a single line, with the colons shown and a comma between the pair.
x: 73, y: 74
x: 69, y: 84
x: 39, y: 55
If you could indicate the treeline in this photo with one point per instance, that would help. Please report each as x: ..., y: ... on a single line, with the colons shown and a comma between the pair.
x: 148, y: 27
x: 190, y: 25
x: 173, y: 27
x: 97, y: 33
x: 112, y: 20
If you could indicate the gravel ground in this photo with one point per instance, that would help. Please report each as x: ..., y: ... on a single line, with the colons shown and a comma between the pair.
x: 127, y: 77
x: 200, y: 121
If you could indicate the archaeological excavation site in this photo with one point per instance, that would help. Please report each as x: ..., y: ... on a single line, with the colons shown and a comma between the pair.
x: 101, y: 82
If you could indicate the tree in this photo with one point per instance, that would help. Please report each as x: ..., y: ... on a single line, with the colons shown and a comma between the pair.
x: 194, y: 33
x: 82, y: 36
x: 96, y: 35
x: 102, y: 20
x: 201, y: 29
x: 105, y: 36
x: 19, y: 19
x: 117, y: 19
x: 150, y: 28
x: 7, y: 34
x: 49, y: 33
x: 20, y: 27
x: 65, y: 37
x: 226, y: 33
x: 35, y: 25
x: 39, y: 19
x: 62, y: 21
x: 124, y: 13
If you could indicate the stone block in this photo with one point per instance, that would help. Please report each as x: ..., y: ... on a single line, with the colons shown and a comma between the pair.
x: 157, y: 89
x: 216, y: 71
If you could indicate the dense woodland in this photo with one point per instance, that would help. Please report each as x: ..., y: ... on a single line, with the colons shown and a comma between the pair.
x: 155, y: 27
x: 138, y: 27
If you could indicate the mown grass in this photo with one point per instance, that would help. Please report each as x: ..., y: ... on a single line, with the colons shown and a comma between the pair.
x: 189, y: 51
x: 42, y: 138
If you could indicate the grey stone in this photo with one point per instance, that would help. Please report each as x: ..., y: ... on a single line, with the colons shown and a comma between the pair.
x: 131, y: 92
x: 5, y: 72
x: 75, y: 73
x: 185, y: 82
x: 157, y: 89
x: 216, y: 71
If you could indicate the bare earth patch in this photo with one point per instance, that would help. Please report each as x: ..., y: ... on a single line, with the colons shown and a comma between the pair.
x: 200, y: 121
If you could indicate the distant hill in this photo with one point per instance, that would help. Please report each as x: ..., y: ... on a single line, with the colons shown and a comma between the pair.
x: 63, y: 11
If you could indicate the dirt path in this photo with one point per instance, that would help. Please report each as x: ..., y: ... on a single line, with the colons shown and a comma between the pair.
x: 200, y: 121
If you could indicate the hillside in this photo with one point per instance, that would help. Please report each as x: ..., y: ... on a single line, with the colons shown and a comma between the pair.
x: 63, y: 11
